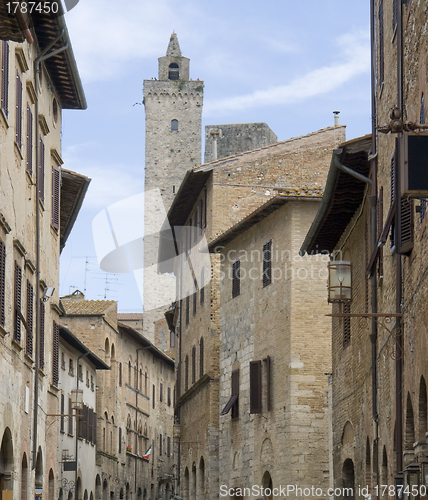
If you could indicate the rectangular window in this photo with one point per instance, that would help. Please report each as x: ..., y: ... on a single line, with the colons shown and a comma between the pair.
x: 235, y: 392
x: 160, y: 444
x: 195, y: 296
x: 42, y: 335
x: 171, y: 339
x: 17, y: 295
x: 18, y: 124
x: 5, y: 78
x: 29, y: 140
x: 161, y: 393
x: 268, y: 386
x: 62, y: 361
x: 120, y: 374
x: 267, y: 263
x: 55, y: 355
x: 205, y: 208
x: 169, y: 396
x: 255, y: 386
x: 154, y: 396
x: 187, y: 308
x: 41, y: 179
x: 56, y: 188
x: 30, y: 314
x: 168, y: 446
x: 2, y: 282
x: 346, y: 325
x: 236, y: 285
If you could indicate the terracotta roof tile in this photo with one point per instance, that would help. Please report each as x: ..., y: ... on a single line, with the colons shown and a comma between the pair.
x: 87, y: 306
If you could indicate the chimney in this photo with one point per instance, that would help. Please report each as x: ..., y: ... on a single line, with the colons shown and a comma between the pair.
x: 336, y: 118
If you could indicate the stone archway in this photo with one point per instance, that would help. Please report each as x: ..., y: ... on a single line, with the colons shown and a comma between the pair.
x: 6, y: 461
x: 348, y: 479
x: 267, y: 485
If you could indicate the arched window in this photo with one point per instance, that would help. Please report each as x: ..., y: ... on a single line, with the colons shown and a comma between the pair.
x: 173, y: 73
x: 174, y: 125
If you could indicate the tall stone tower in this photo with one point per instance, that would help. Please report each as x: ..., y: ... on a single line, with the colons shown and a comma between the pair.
x: 173, y: 106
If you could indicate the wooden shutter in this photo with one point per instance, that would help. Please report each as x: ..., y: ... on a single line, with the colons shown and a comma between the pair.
x: 346, y: 325
x: 5, y: 78
x: 55, y: 355
x: 268, y: 383
x: 236, y: 271
x: 30, y: 316
x: 255, y: 386
x: 2, y: 282
x: 42, y: 336
x: 235, y: 392
x: 18, y: 124
x: 41, y: 179
x: 201, y: 357
x: 267, y: 263
x: 29, y: 140
x: 17, y: 298
x: 56, y: 181
x: 405, y: 224
x: 62, y: 412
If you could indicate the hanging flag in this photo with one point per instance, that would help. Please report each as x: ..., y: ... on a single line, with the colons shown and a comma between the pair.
x: 148, y: 453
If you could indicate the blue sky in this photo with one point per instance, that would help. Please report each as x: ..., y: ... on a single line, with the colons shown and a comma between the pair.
x: 289, y: 64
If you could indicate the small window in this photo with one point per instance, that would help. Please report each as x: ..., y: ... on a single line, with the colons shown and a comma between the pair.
x: 161, y: 392
x: 422, y: 111
x: 187, y: 308
x: 171, y: 339
x: 267, y: 263
x: 169, y: 396
x: 173, y: 73
x: 174, y: 125
x: 55, y: 111
x: 236, y: 272
x: 201, y: 357
x: 195, y: 296
x: 62, y: 361
x: 186, y: 373
x: 255, y: 386
x: 202, y: 288
x: 70, y: 367
x: 193, y: 364
x: 235, y: 392
x: 154, y: 396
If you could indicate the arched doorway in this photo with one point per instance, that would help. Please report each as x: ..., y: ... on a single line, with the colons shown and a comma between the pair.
x: 267, y: 485
x: 6, y: 461
x: 348, y: 479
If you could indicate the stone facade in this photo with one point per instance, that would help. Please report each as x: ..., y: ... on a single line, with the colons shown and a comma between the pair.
x: 278, y: 434
x: 32, y: 232
x: 217, y: 196
x: 227, y: 140
x: 380, y: 423
x: 134, y: 403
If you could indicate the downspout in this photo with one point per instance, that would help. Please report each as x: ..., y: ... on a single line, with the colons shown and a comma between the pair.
x: 373, y: 231
x: 77, y: 420
x: 399, y: 264
x: 43, y: 55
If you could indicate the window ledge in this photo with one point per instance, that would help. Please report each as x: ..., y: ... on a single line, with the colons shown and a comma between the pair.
x: 3, y: 332
x: 18, y: 151
x: 3, y: 119
x: 17, y: 346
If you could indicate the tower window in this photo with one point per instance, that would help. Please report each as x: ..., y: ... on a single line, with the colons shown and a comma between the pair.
x: 174, y: 125
x: 173, y: 73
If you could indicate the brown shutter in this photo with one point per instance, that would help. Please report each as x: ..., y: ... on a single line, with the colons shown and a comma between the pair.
x: 18, y: 293
x: 56, y: 181
x: 346, y: 325
x: 201, y: 357
x: 29, y: 140
x: 2, y: 281
x: 236, y: 272
x: 42, y: 336
x: 55, y: 355
x: 41, y: 179
x: 30, y: 315
x: 405, y: 223
x: 18, y: 125
x: 235, y: 392
x: 255, y: 386
x: 5, y: 78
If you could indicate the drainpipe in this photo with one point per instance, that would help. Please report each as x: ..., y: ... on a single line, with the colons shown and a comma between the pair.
x: 399, y: 264
x: 43, y: 56
x: 77, y: 420
x: 373, y: 230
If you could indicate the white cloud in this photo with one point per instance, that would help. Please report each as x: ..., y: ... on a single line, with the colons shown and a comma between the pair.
x: 354, y: 60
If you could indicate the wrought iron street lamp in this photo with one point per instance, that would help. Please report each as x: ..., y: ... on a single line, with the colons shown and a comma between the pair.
x: 339, y: 281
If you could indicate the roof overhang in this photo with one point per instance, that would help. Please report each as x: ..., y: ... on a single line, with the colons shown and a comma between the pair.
x: 62, y: 67
x: 343, y: 195
x: 73, y: 191
x: 71, y: 339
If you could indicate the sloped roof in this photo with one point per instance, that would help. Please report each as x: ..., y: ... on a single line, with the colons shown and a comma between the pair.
x: 87, y: 307
x: 71, y: 339
x: 342, y: 196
